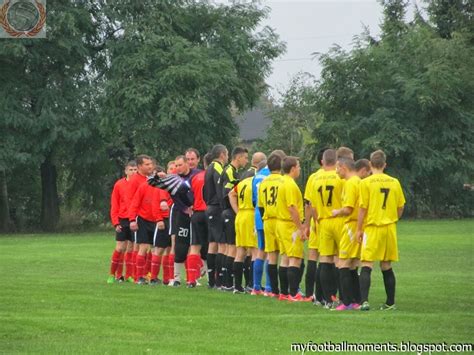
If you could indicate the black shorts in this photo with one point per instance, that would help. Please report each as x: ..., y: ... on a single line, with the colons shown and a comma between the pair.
x: 173, y: 223
x: 181, y: 246
x: 126, y: 233
x: 228, y: 218
x: 214, y: 224
x: 183, y: 226
x: 199, y: 228
x: 161, y: 238
x: 146, y: 231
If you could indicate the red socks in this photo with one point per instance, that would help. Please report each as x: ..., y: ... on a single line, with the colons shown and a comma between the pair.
x: 155, y: 266
x: 148, y: 263
x: 171, y: 265
x: 192, y: 267
x: 166, y: 269
x: 116, y: 260
x: 134, y: 266
x: 140, y: 266
x: 128, y: 264
x: 119, y: 272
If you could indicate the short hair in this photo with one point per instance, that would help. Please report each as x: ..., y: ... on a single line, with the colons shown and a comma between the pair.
x: 347, y: 162
x: 141, y: 158
x: 274, y: 162
x: 361, y: 164
x: 180, y: 157
x: 344, y: 152
x: 169, y: 163
x: 207, y: 159
x: 279, y: 152
x: 378, y: 159
x: 192, y: 150
x: 259, y: 160
x: 217, y: 150
x: 329, y: 157
x: 239, y: 150
x: 159, y: 169
x: 320, y: 154
x: 288, y: 163
x: 131, y: 163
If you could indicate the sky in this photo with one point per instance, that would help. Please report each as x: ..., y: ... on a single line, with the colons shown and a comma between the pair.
x: 314, y: 26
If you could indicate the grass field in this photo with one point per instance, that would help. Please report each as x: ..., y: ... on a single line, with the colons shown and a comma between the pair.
x: 54, y: 298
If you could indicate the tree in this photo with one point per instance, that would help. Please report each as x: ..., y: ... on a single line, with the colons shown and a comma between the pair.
x: 43, y: 82
x: 408, y: 94
x: 177, y: 68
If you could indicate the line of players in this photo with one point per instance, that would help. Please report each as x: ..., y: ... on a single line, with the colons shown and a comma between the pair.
x: 255, y: 221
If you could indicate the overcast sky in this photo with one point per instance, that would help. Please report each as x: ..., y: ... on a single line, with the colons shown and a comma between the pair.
x: 314, y: 26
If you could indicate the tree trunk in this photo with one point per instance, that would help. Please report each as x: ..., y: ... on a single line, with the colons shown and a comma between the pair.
x: 49, y: 198
x: 5, y: 223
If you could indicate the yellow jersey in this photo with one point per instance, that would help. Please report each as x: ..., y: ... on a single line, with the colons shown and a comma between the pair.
x: 309, y: 182
x: 381, y: 195
x: 289, y: 195
x: 350, y: 197
x: 268, y: 193
x: 244, y: 194
x: 325, y: 193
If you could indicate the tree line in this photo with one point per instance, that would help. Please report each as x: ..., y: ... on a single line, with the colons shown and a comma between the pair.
x: 409, y: 92
x: 117, y: 78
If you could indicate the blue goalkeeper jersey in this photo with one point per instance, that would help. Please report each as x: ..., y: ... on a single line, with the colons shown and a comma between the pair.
x: 257, y: 179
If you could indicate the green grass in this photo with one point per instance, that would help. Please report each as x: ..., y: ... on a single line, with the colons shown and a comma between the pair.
x: 54, y: 298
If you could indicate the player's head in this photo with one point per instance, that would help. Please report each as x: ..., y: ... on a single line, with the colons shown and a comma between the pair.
x: 259, y: 160
x: 291, y: 166
x: 130, y: 168
x: 345, y: 167
x: 320, y: 155
x: 159, y: 169
x: 240, y: 157
x: 344, y: 152
x: 362, y: 167
x: 219, y: 152
x: 182, y: 167
x: 329, y: 158
x: 192, y: 157
x: 274, y: 163
x: 207, y: 160
x: 171, y: 167
x: 145, y: 164
x: 378, y: 160
x: 279, y: 152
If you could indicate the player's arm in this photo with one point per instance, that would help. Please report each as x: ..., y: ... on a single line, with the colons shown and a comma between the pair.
x: 308, y: 214
x: 114, y: 208
x: 295, y: 217
x: 233, y: 200
x: 159, y: 198
x: 360, y: 223
x: 344, y: 211
x: 133, y: 209
x: 400, y: 211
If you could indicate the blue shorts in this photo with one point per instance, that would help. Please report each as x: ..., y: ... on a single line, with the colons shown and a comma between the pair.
x: 261, y: 239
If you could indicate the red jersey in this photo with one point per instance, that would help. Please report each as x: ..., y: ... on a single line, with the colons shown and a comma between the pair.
x: 135, y: 181
x: 119, y: 201
x: 165, y: 196
x: 197, y: 183
x: 146, y: 204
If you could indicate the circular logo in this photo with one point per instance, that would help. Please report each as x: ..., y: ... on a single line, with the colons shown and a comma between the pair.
x: 23, y: 16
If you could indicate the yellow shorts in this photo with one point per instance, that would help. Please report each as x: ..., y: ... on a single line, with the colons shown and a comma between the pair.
x: 349, y: 248
x: 380, y: 243
x: 291, y: 244
x: 271, y: 239
x: 245, y: 236
x: 313, y: 236
x: 330, y: 232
